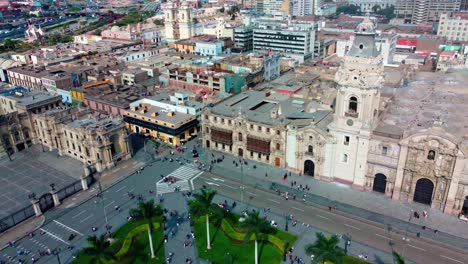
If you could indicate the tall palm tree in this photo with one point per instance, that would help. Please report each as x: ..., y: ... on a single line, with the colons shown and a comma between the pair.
x: 256, y: 225
x: 203, y: 205
x: 397, y: 258
x: 97, y: 250
x: 326, y: 249
x: 147, y: 211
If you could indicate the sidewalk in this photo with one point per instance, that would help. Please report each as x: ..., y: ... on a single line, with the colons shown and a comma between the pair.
x: 369, y: 206
x: 20, y: 231
x: 178, y: 234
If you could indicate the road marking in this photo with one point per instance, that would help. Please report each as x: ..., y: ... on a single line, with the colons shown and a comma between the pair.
x: 383, y: 237
x: 54, y: 236
x: 125, y: 166
x: 229, y: 186
x: 70, y: 205
x: 89, y: 216
x: 321, y: 216
x: 422, y: 249
x: 298, y: 209
x: 273, y: 201
x: 218, y: 179
x: 350, y: 226
x: 121, y: 188
x: 109, y: 203
x: 196, y: 176
x: 80, y: 213
x: 212, y: 183
x: 253, y: 194
x: 67, y: 227
x: 131, y: 190
x: 451, y: 259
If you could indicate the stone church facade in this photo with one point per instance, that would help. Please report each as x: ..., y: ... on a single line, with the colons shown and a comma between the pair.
x: 405, y: 147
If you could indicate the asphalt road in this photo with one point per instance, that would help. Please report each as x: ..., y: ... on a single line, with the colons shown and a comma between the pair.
x: 417, y: 250
x: 79, y: 220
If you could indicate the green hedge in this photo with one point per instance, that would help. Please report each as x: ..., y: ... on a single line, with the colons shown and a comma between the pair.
x: 277, y: 240
x: 127, y: 243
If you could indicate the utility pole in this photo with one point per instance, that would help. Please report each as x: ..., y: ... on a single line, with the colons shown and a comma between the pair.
x: 242, y: 181
x: 56, y: 252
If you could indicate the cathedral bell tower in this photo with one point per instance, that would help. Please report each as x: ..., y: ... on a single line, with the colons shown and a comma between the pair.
x: 185, y: 21
x: 359, y: 80
x: 170, y: 16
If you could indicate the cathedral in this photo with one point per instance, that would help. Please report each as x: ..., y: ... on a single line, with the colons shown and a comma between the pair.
x: 408, y: 143
x: 178, y: 21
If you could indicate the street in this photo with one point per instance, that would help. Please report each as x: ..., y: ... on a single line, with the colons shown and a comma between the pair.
x: 79, y: 219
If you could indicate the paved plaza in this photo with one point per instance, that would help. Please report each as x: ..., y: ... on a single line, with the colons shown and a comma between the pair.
x: 33, y: 171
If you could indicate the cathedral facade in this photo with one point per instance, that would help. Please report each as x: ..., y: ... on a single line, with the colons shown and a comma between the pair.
x: 178, y: 21
x: 411, y: 146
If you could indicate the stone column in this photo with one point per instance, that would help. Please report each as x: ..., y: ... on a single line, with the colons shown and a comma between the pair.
x: 84, y: 182
x: 453, y: 188
x: 400, y: 171
x: 37, y: 207
x: 55, y: 198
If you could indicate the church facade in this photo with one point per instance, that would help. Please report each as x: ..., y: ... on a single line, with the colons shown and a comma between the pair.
x: 404, y: 148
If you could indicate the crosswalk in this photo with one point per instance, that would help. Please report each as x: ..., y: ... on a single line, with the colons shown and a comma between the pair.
x: 183, y: 174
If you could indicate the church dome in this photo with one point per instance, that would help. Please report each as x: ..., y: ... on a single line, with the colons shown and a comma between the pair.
x: 366, y: 26
x: 115, y: 29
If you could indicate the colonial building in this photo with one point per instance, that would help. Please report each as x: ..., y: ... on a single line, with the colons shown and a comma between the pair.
x: 98, y: 141
x: 178, y: 21
x: 409, y: 144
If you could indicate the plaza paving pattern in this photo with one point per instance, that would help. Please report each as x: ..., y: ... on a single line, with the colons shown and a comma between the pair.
x: 32, y: 171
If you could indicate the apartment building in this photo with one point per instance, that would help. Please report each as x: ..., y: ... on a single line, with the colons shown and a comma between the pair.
x: 367, y: 5
x: 419, y: 11
x: 243, y: 39
x: 453, y: 26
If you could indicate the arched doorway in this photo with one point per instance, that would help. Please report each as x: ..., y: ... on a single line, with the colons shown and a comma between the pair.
x: 309, y: 168
x: 380, y: 183
x: 423, y: 191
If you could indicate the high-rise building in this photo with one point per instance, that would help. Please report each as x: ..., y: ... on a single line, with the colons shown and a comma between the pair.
x: 292, y: 37
x: 243, y: 39
x: 419, y: 11
x: 454, y: 27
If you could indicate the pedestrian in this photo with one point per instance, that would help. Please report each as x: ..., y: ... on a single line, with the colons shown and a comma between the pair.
x: 165, y: 238
x: 435, y: 231
x: 292, y: 184
x: 329, y: 208
x: 266, y: 174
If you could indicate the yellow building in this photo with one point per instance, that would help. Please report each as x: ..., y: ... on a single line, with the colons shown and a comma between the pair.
x: 170, y: 127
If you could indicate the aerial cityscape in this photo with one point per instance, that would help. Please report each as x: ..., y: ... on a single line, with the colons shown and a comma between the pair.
x: 229, y: 131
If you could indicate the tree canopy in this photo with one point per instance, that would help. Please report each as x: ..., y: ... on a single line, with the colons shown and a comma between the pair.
x: 349, y: 10
x: 326, y: 249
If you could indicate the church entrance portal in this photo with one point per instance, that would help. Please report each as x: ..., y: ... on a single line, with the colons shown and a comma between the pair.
x: 465, y: 207
x: 423, y: 191
x: 380, y: 183
x: 309, y: 168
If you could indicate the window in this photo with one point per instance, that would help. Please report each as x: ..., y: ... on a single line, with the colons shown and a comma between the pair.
x: 268, y: 130
x: 79, y: 148
x: 251, y: 126
x: 278, y: 146
x: 353, y: 105
x: 310, y: 149
x: 73, y: 146
x: 259, y: 155
x: 346, y: 140
x: 384, y: 150
x: 278, y: 132
x: 431, y: 155
x: 222, y: 120
x: 68, y: 144
x: 240, y: 136
x: 251, y: 153
x: 344, y: 158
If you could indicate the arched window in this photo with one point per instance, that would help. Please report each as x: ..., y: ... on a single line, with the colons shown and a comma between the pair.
x: 17, y: 136
x: 431, y: 155
x: 353, y: 105
x: 310, y: 149
x: 240, y: 136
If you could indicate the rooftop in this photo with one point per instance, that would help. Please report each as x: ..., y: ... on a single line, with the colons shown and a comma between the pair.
x: 261, y: 107
x: 161, y: 114
x: 428, y: 98
x: 32, y: 97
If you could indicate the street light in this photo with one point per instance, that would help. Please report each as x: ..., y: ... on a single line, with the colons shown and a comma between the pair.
x: 56, y: 252
x: 103, y: 206
x: 286, y: 224
x: 242, y: 181
x: 347, y: 239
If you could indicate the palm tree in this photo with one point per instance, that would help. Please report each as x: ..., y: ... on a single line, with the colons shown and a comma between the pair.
x: 147, y: 211
x: 203, y: 205
x: 97, y: 250
x: 398, y: 259
x: 256, y: 225
x: 326, y: 249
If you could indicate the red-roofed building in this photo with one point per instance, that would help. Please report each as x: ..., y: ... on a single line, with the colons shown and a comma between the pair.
x: 406, y: 44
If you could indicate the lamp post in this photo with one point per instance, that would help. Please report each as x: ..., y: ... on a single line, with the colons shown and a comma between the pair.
x: 286, y: 224
x: 242, y: 181
x: 6, y: 149
x: 56, y: 252
x: 103, y: 206
x: 347, y: 239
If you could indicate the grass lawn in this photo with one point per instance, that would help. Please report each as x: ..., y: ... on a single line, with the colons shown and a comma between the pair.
x: 139, y: 251
x: 227, y: 250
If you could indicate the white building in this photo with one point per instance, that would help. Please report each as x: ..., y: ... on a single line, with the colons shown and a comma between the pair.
x: 367, y: 5
x: 453, y: 27
x: 179, y: 102
x: 141, y: 54
x: 287, y: 37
